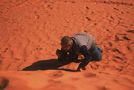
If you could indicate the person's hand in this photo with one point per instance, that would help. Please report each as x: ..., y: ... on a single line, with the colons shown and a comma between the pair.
x: 58, y: 52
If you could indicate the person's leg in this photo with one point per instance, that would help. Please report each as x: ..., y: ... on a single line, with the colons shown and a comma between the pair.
x: 84, y: 63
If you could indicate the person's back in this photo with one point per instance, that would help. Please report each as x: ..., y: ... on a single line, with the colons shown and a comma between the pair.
x: 83, y: 38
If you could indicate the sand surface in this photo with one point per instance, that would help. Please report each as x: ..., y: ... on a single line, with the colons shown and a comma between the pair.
x: 30, y: 32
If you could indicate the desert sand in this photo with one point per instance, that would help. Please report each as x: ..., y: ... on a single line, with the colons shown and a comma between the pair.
x: 30, y: 33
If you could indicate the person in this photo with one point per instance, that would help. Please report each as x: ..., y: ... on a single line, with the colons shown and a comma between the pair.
x: 81, y: 43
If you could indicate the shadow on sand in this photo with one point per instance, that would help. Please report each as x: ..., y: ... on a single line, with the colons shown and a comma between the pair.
x: 51, y: 64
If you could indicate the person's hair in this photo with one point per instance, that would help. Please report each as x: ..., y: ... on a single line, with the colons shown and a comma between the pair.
x: 66, y: 40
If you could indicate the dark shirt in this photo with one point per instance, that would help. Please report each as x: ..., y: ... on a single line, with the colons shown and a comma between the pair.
x: 73, y: 54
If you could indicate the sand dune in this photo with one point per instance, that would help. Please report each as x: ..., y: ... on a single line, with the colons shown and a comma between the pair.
x: 30, y: 31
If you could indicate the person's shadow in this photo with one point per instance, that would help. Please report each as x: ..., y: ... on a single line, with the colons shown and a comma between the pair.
x: 51, y: 64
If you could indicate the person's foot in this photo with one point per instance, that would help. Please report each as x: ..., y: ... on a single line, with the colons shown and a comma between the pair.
x: 83, y: 68
x: 79, y: 68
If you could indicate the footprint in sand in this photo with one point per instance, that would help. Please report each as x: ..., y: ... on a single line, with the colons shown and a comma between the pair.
x: 116, y: 9
x: 54, y: 81
x: 124, y: 81
x: 66, y: 1
x: 118, y: 57
x: 110, y: 44
x: 113, y: 2
x: 50, y: 7
x: 1, y: 58
x: 121, y: 37
x: 3, y: 83
x: 102, y: 88
x: 130, y: 31
x: 0, y: 61
x: 75, y: 79
x: 56, y: 74
x: 5, y: 50
x: 60, y: 86
x: 129, y: 48
x: 88, y: 19
x: 87, y: 75
x: 117, y: 50
x: 87, y: 7
x: 94, y: 66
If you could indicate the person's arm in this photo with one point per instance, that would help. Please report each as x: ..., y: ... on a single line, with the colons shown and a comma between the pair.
x: 87, y: 57
x: 63, y: 55
x: 72, y: 56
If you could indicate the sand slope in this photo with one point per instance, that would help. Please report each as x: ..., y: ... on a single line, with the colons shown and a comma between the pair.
x: 30, y: 31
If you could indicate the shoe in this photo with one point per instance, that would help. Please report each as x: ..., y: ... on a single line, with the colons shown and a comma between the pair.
x: 83, y: 68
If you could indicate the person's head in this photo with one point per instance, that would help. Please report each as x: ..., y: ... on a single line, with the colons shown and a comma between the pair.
x: 66, y: 43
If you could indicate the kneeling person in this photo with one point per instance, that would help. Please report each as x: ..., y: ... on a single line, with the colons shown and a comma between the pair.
x: 82, y: 43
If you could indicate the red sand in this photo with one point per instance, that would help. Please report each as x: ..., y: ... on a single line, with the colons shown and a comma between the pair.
x: 30, y: 31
